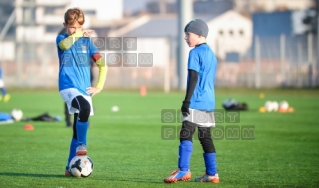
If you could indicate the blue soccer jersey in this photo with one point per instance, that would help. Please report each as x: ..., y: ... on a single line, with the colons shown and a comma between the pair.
x: 202, y: 60
x: 75, y: 64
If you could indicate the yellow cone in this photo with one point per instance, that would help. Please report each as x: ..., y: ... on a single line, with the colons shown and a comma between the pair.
x: 6, y: 98
x: 262, y: 109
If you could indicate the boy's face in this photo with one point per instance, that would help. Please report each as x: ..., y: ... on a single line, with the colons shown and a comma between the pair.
x: 192, y: 39
x: 72, y: 28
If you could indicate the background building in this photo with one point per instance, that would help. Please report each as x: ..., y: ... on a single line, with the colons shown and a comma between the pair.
x: 284, y: 50
x: 249, y: 6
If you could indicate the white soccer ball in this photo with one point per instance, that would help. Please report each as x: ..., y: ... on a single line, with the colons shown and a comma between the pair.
x: 17, y: 114
x: 271, y: 106
x: 283, y: 105
x: 115, y: 108
x: 268, y: 106
x: 81, y: 166
x: 275, y: 106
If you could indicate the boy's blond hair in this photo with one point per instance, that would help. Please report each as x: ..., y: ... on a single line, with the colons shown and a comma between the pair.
x: 73, y: 15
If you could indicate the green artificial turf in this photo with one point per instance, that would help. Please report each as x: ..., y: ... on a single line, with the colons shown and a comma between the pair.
x: 129, y: 147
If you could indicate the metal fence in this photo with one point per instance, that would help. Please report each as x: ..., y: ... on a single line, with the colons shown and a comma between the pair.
x: 273, y: 62
x: 37, y: 65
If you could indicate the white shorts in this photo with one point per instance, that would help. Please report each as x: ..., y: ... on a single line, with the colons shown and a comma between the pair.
x: 201, y: 118
x: 1, y: 83
x: 69, y: 94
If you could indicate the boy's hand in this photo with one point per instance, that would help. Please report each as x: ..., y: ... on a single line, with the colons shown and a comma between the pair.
x: 92, y: 90
x: 88, y: 32
x: 185, y: 108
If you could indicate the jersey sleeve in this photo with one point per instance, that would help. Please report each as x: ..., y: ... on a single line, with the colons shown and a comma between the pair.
x: 59, y: 38
x: 93, y: 48
x: 193, y: 61
x: 65, y: 41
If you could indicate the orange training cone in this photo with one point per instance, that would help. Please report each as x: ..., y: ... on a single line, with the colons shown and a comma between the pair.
x: 28, y: 127
x: 143, y: 91
x: 290, y: 109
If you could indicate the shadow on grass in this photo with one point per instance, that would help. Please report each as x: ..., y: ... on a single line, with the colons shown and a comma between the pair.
x: 137, y: 180
x: 115, y: 179
x: 30, y: 175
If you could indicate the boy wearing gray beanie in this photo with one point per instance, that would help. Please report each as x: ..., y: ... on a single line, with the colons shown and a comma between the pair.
x: 198, y: 106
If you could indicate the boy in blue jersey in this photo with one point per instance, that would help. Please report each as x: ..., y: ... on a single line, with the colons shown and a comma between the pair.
x: 75, y: 50
x: 198, y: 106
x: 4, y: 93
x: 66, y: 109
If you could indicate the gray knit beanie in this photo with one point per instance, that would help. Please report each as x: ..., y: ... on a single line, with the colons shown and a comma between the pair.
x: 198, y: 27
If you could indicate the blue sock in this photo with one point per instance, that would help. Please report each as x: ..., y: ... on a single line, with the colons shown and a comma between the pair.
x: 81, y: 131
x: 210, y: 163
x: 74, y: 144
x: 185, y: 152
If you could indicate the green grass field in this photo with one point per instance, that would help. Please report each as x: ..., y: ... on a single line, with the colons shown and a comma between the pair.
x: 128, y: 150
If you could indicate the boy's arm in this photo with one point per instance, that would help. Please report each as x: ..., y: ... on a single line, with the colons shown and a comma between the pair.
x: 193, y: 77
x: 193, y: 69
x: 67, y: 43
x: 100, y: 62
x: 191, y: 84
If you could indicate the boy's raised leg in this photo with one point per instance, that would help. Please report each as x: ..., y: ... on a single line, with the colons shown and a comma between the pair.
x: 81, y: 123
x: 81, y: 129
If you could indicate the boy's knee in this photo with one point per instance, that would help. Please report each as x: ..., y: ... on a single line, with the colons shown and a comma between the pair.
x: 85, y: 111
x: 187, y: 131
x: 84, y: 107
x: 205, y: 139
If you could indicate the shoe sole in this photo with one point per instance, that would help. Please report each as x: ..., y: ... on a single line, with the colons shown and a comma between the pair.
x: 215, y: 180
x: 212, y: 181
x: 187, y: 177
x: 81, y: 153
